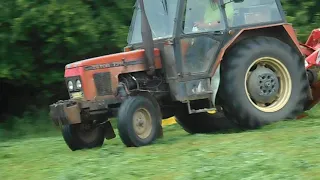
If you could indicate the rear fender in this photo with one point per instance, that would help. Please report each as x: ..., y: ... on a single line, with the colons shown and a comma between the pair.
x: 283, y: 32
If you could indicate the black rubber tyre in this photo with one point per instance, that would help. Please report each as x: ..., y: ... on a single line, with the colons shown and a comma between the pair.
x: 235, y: 101
x: 76, y: 139
x: 128, y: 124
x: 203, y: 123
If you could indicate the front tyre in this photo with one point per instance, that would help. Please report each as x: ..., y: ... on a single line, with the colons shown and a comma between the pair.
x: 83, y: 136
x: 139, y: 122
x: 263, y: 80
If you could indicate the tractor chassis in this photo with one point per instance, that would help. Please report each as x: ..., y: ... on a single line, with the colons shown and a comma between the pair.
x: 96, y: 114
x: 71, y: 115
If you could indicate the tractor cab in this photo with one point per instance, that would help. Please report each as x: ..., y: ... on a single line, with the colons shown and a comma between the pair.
x: 193, y: 35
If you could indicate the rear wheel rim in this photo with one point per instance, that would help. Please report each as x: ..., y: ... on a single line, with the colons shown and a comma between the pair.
x: 283, y: 77
x: 142, y: 123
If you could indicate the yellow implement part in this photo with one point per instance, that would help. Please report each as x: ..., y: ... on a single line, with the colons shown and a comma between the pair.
x: 211, y: 112
x: 172, y: 120
x: 169, y: 121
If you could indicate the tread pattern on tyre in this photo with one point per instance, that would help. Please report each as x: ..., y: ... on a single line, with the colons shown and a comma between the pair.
x: 67, y: 136
x: 74, y: 142
x: 237, y: 107
x: 203, y: 122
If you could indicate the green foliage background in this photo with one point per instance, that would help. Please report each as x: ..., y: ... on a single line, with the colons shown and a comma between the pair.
x: 38, y: 38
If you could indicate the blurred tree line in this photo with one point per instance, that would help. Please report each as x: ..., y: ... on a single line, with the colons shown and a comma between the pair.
x: 38, y: 38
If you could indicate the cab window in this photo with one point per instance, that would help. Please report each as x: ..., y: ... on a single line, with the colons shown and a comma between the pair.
x: 251, y: 12
x: 161, y: 15
x: 203, y: 16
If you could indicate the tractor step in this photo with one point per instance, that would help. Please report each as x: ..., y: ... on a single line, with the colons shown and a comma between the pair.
x: 194, y: 111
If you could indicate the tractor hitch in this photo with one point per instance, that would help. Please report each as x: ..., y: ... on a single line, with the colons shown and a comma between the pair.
x: 76, y: 111
x: 65, y: 112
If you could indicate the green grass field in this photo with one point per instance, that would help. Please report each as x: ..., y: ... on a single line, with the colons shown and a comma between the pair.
x: 285, y: 150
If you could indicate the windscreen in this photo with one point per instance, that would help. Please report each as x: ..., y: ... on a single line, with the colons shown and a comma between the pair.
x: 160, y: 14
x: 251, y: 12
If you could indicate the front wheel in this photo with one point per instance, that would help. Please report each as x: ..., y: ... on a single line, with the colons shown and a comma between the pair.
x: 263, y: 80
x: 83, y: 136
x: 139, y: 122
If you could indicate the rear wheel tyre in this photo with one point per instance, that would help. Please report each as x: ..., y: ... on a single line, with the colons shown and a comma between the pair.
x: 203, y: 123
x: 138, y: 122
x: 83, y: 136
x: 263, y: 81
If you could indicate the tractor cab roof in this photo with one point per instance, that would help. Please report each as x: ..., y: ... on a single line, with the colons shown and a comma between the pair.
x: 171, y: 18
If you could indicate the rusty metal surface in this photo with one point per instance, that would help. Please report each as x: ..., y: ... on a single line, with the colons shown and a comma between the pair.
x: 77, y: 111
x: 73, y: 114
x: 65, y: 112
x: 103, y: 83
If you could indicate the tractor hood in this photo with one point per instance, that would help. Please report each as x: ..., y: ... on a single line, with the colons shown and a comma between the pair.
x: 113, y: 60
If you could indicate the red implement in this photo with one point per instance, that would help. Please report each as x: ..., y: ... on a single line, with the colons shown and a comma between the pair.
x: 311, y: 50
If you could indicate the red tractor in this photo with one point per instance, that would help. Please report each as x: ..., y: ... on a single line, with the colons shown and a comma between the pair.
x: 183, y: 59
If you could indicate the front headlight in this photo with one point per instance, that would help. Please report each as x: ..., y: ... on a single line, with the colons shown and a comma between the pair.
x: 70, y: 85
x: 78, y: 84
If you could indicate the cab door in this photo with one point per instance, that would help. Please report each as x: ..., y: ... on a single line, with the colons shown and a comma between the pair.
x: 196, y: 49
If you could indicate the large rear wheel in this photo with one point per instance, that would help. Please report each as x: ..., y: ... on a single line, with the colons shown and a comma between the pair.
x: 263, y: 80
x: 203, y: 122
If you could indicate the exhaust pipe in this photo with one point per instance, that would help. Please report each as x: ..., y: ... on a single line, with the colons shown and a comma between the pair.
x: 147, y: 40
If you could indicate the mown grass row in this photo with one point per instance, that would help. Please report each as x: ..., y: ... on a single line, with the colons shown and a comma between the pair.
x: 284, y: 150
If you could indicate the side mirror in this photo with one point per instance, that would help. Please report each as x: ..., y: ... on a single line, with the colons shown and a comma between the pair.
x: 238, y: 1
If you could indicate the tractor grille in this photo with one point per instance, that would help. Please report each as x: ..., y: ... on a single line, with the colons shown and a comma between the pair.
x: 103, y: 83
